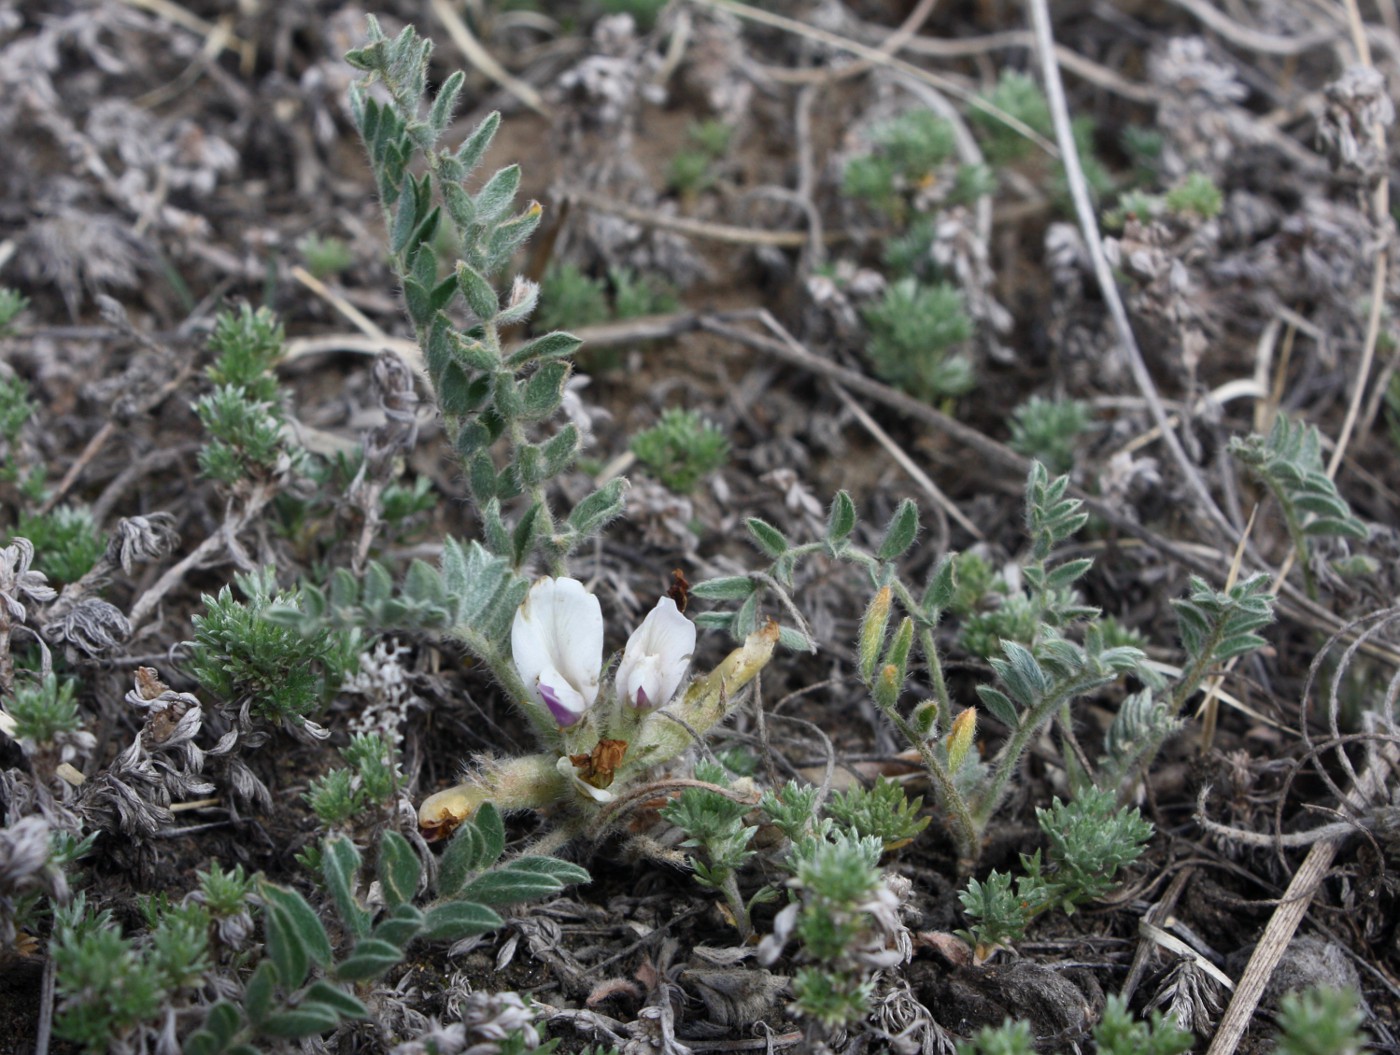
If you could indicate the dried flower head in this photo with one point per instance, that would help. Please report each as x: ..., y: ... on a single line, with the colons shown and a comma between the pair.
x: 18, y: 582
x: 92, y: 626
x: 1358, y: 105
x: 142, y: 538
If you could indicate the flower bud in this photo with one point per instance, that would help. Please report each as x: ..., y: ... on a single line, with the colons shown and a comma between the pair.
x: 656, y: 658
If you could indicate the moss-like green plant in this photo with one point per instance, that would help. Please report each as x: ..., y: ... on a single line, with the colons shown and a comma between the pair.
x: 325, y: 256
x: 1046, y: 430
x: 681, y: 449
x: 66, y: 542
x: 568, y: 297
x: 1196, y: 195
x: 913, y: 332
x: 12, y: 303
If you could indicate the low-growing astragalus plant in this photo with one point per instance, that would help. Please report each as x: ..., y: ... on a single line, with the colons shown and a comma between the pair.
x: 359, y: 619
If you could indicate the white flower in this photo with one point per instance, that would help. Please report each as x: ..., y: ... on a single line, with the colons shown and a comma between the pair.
x: 557, y: 644
x: 656, y: 657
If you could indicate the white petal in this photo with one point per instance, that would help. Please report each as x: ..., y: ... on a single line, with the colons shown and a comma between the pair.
x: 643, y: 686
x: 559, y: 629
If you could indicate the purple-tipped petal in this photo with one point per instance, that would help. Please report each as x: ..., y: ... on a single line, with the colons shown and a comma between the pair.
x: 557, y: 644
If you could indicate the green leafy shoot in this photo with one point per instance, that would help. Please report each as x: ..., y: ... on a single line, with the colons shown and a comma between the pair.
x: 910, y: 163
x: 1216, y: 626
x: 16, y: 408
x: 42, y: 710
x: 837, y: 880
x: 105, y: 985
x: 1195, y: 196
x: 12, y: 303
x: 369, y: 781
x: 882, y: 811
x: 637, y: 295
x: 1289, y: 463
x: 1091, y: 839
x: 715, y: 825
x: 568, y: 297
x: 496, y: 401
x: 247, y: 345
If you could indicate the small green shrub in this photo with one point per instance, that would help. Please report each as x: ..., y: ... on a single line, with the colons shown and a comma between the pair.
x: 1047, y: 429
x: 569, y: 297
x: 66, y: 542
x: 1321, y: 1022
x: 681, y: 449
x: 912, y: 331
x: 325, y: 256
x: 284, y: 675
x: 1197, y: 195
